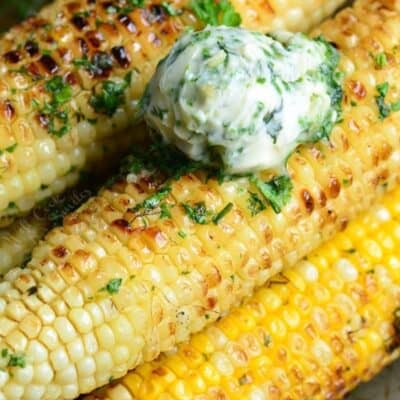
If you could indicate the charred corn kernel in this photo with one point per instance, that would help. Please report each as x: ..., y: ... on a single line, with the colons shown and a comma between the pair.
x: 52, y: 101
x: 287, y: 354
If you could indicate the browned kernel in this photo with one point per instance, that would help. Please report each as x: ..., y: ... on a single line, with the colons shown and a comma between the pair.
x: 49, y: 64
x: 358, y: 89
x: 122, y: 224
x: 32, y: 48
x: 60, y: 252
x: 307, y: 200
x: 126, y: 21
x: 121, y: 56
x: 8, y: 110
x: 13, y: 57
x: 334, y: 187
x: 79, y: 22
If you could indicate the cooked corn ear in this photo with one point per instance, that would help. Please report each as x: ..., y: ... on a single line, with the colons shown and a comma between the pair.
x: 18, y: 239
x: 169, y: 248
x: 72, y: 75
x: 315, y: 331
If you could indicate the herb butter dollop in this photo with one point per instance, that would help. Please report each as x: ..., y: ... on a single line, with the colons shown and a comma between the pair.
x: 243, y: 98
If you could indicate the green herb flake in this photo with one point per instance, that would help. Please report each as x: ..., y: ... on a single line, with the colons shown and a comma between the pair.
x: 110, y: 97
x: 61, y: 91
x: 58, y: 119
x: 153, y: 201
x: 277, y: 191
x: 215, y: 13
x: 197, y: 213
x: 9, y: 149
x: 16, y: 360
x: 255, y: 204
x: 182, y: 234
x: 170, y: 9
x: 380, y: 60
x: 112, y: 286
x: 4, y: 353
x: 218, y: 217
x: 165, y: 211
x: 385, y: 108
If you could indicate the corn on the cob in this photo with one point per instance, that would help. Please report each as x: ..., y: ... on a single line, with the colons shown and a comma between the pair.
x: 72, y: 75
x: 315, y: 331
x: 18, y: 240
x: 138, y: 268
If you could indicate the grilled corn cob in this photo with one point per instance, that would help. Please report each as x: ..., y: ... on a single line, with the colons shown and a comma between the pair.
x: 18, y: 240
x: 315, y: 331
x: 72, y: 75
x: 162, y: 252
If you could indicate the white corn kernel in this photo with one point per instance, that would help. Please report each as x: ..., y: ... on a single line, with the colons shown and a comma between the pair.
x: 65, y: 329
x: 81, y: 320
x: 119, y: 392
x: 48, y: 336
x: 14, y: 187
x: 43, y: 373
x: 95, y: 313
x: 34, y: 392
x: 23, y: 376
x: 105, y: 337
x: 3, y: 378
x: 25, y: 158
x: 31, y: 181
x: 66, y: 376
x: 62, y: 164
x: 86, y: 367
x: 59, y: 359
x: 70, y: 391
x: 90, y: 342
x: 12, y: 391
x: 47, y: 172
x: 45, y: 149
x: 46, y: 314
x: 104, y: 361
x: 76, y: 349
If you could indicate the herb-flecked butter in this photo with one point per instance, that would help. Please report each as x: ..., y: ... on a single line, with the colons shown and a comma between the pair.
x: 244, y: 99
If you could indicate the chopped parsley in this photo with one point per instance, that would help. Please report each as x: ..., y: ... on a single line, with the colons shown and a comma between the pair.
x: 255, y: 204
x: 211, y: 12
x: 182, y: 234
x: 55, y: 112
x: 17, y: 361
x: 14, y: 360
x: 112, y: 286
x: 197, y: 213
x: 110, y: 97
x: 380, y: 60
x: 170, y: 9
x: 97, y: 65
x: 9, y: 149
x: 218, y: 217
x: 153, y: 201
x: 165, y: 211
x: 277, y: 191
x: 385, y: 109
